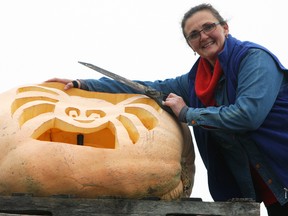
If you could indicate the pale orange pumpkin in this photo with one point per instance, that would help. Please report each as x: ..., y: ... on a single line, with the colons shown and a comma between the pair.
x: 91, y: 144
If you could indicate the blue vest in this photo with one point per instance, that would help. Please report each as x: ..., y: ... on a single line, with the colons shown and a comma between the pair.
x: 271, y: 137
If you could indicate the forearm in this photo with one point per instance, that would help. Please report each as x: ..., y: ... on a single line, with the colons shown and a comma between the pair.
x: 177, y: 86
x: 105, y: 85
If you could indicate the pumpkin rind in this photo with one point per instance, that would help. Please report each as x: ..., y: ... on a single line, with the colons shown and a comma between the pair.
x: 130, y: 147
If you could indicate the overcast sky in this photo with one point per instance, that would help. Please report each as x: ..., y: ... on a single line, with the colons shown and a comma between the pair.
x: 139, y: 39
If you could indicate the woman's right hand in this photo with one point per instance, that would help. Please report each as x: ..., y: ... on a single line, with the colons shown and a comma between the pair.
x: 67, y: 82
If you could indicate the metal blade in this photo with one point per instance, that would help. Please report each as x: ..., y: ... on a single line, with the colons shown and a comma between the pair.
x: 150, y: 92
x: 153, y: 93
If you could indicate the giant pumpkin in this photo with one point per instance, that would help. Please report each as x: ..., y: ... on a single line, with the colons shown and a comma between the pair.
x: 91, y: 144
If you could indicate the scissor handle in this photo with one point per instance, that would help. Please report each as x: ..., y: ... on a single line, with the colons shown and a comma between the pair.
x: 159, y: 97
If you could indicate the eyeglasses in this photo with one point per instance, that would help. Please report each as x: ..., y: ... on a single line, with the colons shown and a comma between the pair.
x: 207, y: 28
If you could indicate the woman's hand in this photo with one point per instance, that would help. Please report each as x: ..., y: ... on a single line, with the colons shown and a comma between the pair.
x: 175, y: 102
x: 68, y: 83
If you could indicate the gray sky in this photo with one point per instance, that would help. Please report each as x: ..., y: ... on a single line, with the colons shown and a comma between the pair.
x: 139, y: 39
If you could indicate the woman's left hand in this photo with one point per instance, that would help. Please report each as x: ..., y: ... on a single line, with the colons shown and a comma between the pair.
x: 175, y: 102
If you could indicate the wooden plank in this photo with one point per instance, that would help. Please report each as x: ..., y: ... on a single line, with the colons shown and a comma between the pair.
x: 104, y: 207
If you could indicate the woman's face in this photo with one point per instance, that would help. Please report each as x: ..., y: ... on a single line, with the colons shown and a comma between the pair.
x: 208, y: 45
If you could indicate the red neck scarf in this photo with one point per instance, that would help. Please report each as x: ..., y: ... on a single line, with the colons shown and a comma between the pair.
x: 206, y: 81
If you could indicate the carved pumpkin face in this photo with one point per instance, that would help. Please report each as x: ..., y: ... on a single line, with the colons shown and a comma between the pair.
x: 91, y: 144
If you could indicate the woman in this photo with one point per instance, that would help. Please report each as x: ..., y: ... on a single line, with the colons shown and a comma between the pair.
x: 236, y: 98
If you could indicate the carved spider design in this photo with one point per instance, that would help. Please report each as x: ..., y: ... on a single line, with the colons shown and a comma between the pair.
x: 80, y: 117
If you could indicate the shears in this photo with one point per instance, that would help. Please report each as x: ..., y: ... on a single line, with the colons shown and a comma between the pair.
x: 158, y: 96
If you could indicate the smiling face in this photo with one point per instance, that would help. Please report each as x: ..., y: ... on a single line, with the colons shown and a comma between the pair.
x: 207, y: 45
x: 67, y: 118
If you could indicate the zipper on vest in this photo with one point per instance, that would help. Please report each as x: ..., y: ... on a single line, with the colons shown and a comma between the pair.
x: 286, y: 191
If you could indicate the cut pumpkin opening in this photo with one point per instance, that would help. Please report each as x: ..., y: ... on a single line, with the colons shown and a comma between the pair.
x: 100, y: 139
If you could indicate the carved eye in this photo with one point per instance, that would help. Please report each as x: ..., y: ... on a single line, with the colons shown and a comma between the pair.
x: 72, y: 112
x: 95, y: 114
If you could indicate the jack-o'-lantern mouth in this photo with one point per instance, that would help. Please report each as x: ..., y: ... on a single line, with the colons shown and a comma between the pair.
x: 55, y: 130
x: 104, y: 138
